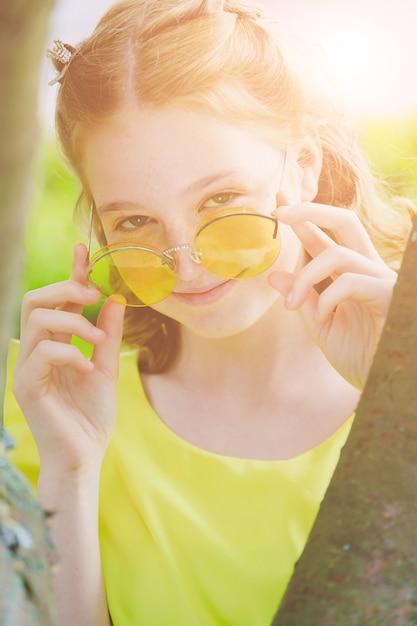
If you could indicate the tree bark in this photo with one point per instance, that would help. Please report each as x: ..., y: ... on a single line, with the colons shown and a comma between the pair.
x: 23, y: 31
x: 25, y: 554
x: 359, y: 566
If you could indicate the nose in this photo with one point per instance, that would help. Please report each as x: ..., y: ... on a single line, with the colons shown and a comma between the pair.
x: 187, y: 263
x: 193, y: 254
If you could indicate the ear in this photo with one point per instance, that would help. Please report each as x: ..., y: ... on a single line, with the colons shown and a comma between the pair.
x: 302, y: 170
x: 309, y: 161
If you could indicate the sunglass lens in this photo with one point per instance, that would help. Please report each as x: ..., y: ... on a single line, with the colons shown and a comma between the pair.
x: 140, y: 276
x: 238, y: 246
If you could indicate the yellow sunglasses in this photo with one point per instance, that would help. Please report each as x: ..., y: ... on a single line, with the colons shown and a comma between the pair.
x: 234, y: 243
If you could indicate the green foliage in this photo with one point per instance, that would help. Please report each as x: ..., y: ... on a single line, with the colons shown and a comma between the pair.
x: 51, y: 234
x: 391, y: 145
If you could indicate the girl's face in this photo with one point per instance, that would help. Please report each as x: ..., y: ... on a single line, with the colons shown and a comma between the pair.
x: 167, y: 169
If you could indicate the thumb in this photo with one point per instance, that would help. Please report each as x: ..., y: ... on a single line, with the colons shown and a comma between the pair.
x: 281, y: 281
x: 281, y: 199
x: 110, y: 320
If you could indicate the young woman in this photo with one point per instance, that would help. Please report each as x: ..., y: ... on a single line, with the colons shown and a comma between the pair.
x: 239, y: 223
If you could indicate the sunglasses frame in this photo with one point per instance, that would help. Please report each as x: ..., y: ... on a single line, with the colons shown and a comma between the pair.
x: 166, y: 255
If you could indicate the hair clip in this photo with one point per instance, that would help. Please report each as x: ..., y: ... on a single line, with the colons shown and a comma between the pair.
x: 61, y: 53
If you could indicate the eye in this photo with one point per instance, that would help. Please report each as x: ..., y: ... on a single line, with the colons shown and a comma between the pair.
x: 219, y: 199
x: 133, y: 222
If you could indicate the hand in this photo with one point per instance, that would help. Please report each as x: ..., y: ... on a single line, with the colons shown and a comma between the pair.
x: 68, y: 400
x: 347, y: 317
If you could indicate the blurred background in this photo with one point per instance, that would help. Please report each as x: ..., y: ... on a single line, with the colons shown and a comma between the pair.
x: 370, y: 49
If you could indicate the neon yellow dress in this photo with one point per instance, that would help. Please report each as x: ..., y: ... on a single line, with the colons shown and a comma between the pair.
x: 189, y: 537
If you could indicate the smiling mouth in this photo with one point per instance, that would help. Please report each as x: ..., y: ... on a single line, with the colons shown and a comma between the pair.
x: 205, y: 295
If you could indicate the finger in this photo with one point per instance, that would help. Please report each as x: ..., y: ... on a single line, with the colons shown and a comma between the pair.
x: 282, y: 282
x: 344, y: 224
x: 79, y: 264
x: 376, y: 293
x: 313, y: 238
x: 34, y: 377
x: 78, y: 274
x: 55, y: 295
x: 281, y: 199
x: 331, y: 263
x: 110, y: 320
x: 50, y: 324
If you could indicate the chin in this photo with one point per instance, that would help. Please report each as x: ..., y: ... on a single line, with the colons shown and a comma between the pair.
x: 227, y: 318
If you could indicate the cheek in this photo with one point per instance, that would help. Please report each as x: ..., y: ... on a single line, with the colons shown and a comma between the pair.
x: 110, y: 232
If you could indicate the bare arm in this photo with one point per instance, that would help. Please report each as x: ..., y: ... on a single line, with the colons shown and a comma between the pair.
x: 79, y: 581
x: 70, y: 404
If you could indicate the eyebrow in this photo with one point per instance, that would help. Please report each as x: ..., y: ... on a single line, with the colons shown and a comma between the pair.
x: 205, y: 182
x: 198, y: 185
x: 114, y: 207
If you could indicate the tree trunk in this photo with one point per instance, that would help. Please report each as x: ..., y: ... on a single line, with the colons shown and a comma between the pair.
x: 359, y: 566
x: 25, y: 572
x: 23, y: 30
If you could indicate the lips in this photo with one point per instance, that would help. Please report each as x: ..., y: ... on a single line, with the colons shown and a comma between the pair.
x: 204, y: 295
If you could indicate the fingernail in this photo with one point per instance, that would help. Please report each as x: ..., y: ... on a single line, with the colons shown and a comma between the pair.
x: 117, y: 297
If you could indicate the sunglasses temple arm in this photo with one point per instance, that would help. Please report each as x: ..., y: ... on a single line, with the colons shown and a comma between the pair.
x: 90, y: 231
x: 284, y: 167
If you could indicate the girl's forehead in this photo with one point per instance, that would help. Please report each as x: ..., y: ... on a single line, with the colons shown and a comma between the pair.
x: 186, y: 127
x: 162, y: 153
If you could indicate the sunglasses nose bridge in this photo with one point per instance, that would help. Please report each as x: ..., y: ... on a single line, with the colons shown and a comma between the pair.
x: 192, y: 253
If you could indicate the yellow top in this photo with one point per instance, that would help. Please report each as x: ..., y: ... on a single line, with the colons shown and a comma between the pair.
x: 189, y: 537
